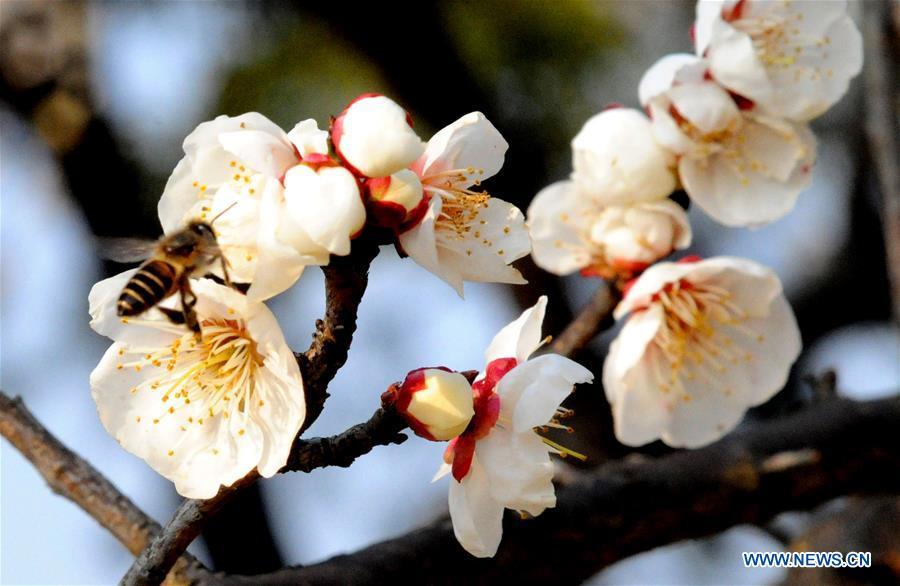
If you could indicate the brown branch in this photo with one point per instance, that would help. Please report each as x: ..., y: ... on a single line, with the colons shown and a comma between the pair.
x: 71, y: 477
x: 593, y: 318
x: 833, y: 448
x: 346, y: 279
x: 882, y: 129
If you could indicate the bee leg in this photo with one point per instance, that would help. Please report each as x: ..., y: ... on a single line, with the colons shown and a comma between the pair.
x: 174, y: 316
x: 188, y: 301
x: 225, y: 270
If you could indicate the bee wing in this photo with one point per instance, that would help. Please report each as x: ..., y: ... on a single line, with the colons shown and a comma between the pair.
x: 126, y: 250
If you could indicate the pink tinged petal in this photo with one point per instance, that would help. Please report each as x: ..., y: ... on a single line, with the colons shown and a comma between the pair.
x: 263, y: 152
x: 477, y: 518
x: 661, y: 75
x: 308, y: 139
x: 326, y: 204
x: 520, y: 338
x: 469, y: 142
x: 552, y: 380
x: 519, y: 470
x: 558, y: 220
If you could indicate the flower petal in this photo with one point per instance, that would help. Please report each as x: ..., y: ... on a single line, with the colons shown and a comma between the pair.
x: 497, y: 237
x: 519, y: 470
x: 269, y: 154
x: 559, y: 219
x: 520, y: 338
x: 477, y: 517
x: 308, y: 139
x: 661, y: 75
x: 326, y: 204
x: 470, y: 142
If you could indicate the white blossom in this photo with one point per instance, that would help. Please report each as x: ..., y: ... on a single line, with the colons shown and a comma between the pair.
x: 704, y: 342
x: 742, y: 167
x: 374, y: 136
x: 570, y: 231
x: 617, y: 161
x: 501, y: 462
x: 464, y: 234
x: 201, y: 413
x: 793, y: 59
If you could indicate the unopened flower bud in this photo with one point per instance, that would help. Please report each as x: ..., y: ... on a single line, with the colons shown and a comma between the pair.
x: 373, y: 136
x: 640, y: 234
x: 393, y: 199
x: 436, y: 402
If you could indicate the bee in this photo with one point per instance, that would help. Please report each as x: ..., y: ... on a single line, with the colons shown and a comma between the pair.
x: 170, y: 263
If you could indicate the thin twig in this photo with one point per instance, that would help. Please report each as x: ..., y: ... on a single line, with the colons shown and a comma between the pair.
x: 71, y: 477
x: 881, y: 103
x: 594, y: 317
x: 833, y: 448
x: 346, y: 279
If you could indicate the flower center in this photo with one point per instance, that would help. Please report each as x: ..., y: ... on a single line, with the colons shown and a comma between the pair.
x: 698, y: 338
x: 460, y: 205
x: 219, y: 374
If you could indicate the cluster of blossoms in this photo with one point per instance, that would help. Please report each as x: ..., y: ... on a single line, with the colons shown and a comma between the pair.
x: 705, y: 339
x: 729, y: 125
x: 206, y: 412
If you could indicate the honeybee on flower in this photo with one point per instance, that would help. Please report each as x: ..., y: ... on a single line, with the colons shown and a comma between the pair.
x: 203, y: 413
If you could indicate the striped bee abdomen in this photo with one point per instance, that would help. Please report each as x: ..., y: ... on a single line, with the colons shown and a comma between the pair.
x: 154, y: 281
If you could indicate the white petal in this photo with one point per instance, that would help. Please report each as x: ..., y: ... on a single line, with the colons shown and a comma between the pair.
x: 519, y: 470
x: 420, y: 244
x: 263, y: 152
x: 308, y: 139
x: 470, y: 142
x: 559, y: 218
x: 641, y: 410
x: 376, y: 138
x: 477, y: 517
x: 746, y: 191
x: 532, y: 391
x: 444, y: 470
x: 520, y: 338
x: 734, y: 63
x: 617, y: 160
x: 178, y: 197
x: 661, y: 75
x: 150, y: 329
x: 497, y: 237
x: 630, y: 346
x: 326, y: 204
x: 279, y: 265
x: 708, y: 11
x: 706, y: 105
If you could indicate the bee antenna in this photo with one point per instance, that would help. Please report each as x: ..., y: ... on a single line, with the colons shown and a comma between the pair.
x: 219, y: 215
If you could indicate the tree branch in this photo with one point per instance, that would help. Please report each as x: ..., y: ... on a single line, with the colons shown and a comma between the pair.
x: 346, y: 279
x: 831, y: 449
x: 593, y: 318
x: 882, y: 126
x: 71, y: 477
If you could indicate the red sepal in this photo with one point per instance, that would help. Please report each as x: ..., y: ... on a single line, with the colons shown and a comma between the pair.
x: 463, y: 450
